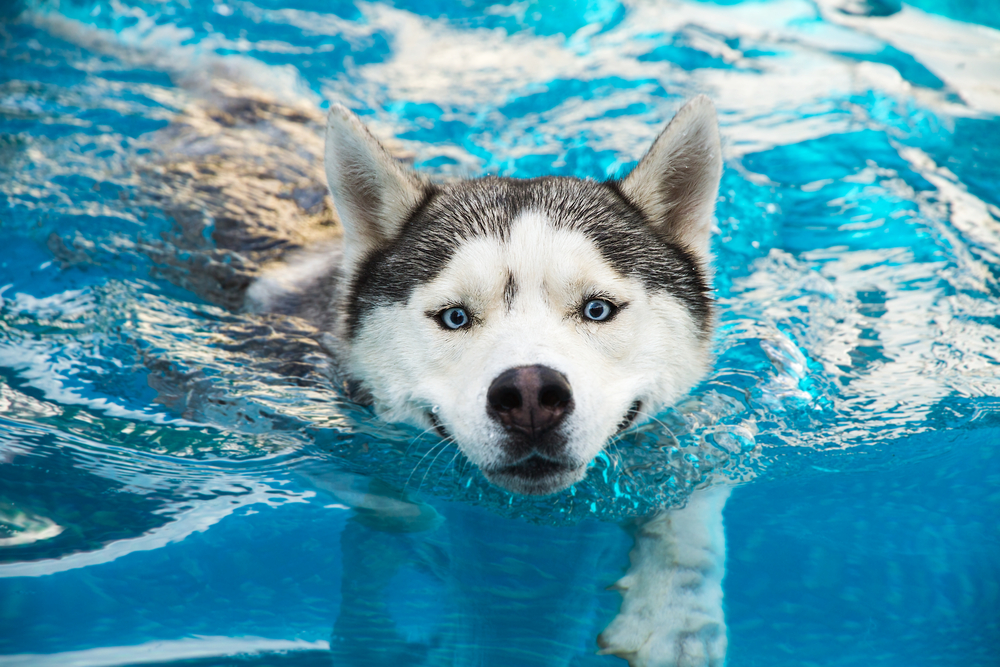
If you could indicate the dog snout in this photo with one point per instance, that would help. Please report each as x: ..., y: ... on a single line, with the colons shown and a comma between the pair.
x: 531, y: 400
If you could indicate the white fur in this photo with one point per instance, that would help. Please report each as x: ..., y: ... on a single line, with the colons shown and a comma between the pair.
x: 649, y: 352
x: 676, y: 183
x: 671, y: 610
x: 298, y: 272
x: 360, y: 173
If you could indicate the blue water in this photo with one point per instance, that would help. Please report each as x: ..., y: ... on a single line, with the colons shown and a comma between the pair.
x: 171, y: 495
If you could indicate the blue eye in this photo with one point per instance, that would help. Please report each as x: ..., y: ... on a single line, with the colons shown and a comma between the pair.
x: 455, y: 318
x: 598, y: 310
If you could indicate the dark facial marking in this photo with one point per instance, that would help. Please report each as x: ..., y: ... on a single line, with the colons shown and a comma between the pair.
x: 371, y: 276
x: 438, y: 426
x: 630, y: 416
x: 509, y: 291
x: 487, y: 207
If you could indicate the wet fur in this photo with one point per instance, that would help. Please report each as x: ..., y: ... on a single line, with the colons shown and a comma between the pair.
x: 522, y: 257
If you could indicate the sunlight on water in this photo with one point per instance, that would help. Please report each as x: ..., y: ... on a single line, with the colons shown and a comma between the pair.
x: 857, y: 246
x: 856, y: 274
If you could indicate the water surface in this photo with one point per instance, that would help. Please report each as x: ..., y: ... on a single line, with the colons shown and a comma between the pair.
x: 190, y: 477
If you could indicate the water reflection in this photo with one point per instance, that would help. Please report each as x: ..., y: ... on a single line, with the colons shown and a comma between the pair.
x: 858, y: 259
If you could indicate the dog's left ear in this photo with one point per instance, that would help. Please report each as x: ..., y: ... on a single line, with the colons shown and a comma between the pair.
x: 677, y: 182
x: 374, y: 193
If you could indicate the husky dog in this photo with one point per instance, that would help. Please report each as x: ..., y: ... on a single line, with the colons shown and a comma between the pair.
x: 529, y: 322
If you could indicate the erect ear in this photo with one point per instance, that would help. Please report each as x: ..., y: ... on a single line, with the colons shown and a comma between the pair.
x: 676, y: 183
x: 374, y: 194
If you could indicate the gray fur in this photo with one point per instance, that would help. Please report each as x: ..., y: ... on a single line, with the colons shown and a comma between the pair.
x: 677, y: 182
x: 457, y: 213
x: 400, y: 230
x: 529, y: 254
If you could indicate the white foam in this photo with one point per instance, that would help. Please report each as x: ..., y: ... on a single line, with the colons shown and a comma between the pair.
x: 168, y: 48
x: 196, y: 518
x: 161, y: 651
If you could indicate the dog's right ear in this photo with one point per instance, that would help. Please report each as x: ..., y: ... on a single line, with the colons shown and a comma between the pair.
x: 374, y: 194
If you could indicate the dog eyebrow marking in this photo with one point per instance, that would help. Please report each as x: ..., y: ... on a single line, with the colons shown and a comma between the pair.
x: 509, y: 291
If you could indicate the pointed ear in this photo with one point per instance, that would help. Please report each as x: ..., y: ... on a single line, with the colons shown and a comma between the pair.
x: 677, y: 182
x: 374, y: 194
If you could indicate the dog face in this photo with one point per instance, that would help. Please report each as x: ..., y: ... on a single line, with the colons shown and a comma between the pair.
x: 529, y: 321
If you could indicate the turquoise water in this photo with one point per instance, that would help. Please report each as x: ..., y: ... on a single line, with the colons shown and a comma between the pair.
x: 172, y: 491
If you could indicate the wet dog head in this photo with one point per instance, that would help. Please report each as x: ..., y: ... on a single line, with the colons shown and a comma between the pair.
x: 529, y: 321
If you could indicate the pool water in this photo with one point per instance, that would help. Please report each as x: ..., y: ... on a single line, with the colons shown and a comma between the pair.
x: 175, y: 490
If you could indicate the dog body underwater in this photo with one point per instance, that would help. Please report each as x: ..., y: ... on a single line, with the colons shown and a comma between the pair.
x: 529, y: 322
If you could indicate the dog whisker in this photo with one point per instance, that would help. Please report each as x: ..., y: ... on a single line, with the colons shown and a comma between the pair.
x: 646, y: 415
x: 417, y: 437
x: 444, y: 443
x: 454, y: 458
x: 416, y: 466
x: 614, y: 453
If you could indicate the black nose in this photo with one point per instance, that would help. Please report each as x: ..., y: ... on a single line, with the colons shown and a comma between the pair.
x: 530, y: 399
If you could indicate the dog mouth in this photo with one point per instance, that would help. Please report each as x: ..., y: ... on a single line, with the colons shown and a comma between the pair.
x: 535, y: 475
x: 438, y: 426
x: 629, y: 417
x: 535, y: 468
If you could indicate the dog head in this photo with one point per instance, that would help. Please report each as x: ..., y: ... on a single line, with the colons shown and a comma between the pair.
x: 529, y: 321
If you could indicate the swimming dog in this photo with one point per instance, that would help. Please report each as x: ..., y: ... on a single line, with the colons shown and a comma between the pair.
x: 529, y: 321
